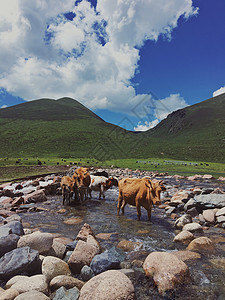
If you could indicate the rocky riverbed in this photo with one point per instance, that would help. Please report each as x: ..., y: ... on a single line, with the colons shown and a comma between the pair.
x: 84, y: 251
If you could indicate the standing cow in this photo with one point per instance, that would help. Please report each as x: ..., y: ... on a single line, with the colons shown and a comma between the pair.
x: 69, y: 187
x: 137, y: 192
x: 101, y: 184
x: 83, y: 179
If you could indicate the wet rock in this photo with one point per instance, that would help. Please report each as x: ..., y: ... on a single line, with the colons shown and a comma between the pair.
x: 8, y: 243
x: 183, y: 220
x: 40, y: 241
x: 26, y: 284
x: 84, y: 232
x: 63, y: 294
x: 105, y: 236
x: 17, y: 202
x: 32, y: 295
x: 86, y: 273
x: 202, y: 245
x: 15, y: 226
x: 67, y: 282
x: 5, y: 231
x: 219, y: 263
x: 166, y: 270
x: 107, y: 286
x: 184, y: 237
x: 82, y: 255
x: 192, y: 227
x: 63, y: 240
x: 186, y: 255
x: 53, y: 266
x: 210, y: 201
x: 192, y: 212
x: 73, y: 221
x: 9, y: 294
x: 19, y: 261
x: 170, y: 210
x: 209, y: 215
x: 128, y: 246
x: 37, y: 196
x: 110, y: 259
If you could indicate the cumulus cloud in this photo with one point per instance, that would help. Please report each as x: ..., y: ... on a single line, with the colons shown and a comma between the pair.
x: 147, y: 125
x: 91, y: 57
x: 4, y: 106
x: 219, y: 91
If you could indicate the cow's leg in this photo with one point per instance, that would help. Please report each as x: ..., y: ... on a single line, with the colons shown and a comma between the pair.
x: 89, y: 192
x: 149, y: 213
x: 120, y: 200
x: 123, y: 206
x: 138, y: 211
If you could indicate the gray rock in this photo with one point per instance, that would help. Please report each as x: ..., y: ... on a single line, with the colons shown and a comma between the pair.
x: 67, y: 256
x: 192, y: 211
x: 210, y: 201
x: 63, y: 294
x: 220, y: 219
x: 13, y: 218
x: 220, y: 212
x: 86, y: 273
x: 71, y: 246
x: 8, y: 243
x: 5, y: 231
x: 171, y: 210
x: 107, y: 260
x: 19, y: 261
x: 15, y: 226
x: 180, y: 222
x: 206, y: 191
x: 192, y: 227
x: 191, y: 203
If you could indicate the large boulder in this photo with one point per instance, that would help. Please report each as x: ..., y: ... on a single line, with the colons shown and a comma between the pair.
x: 110, y: 285
x: 67, y: 281
x: 9, y: 294
x: 26, y: 284
x: 110, y: 259
x: 210, y: 201
x: 37, y: 196
x: 8, y: 243
x: 53, y: 266
x: 40, y: 241
x: 82, y: 255
x: 202, y: 245
x: 166, y: 270
x: 21, y: 260
x: 209, y: 215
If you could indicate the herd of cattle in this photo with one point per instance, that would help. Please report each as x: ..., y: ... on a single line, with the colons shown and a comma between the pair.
x: 134, y: 191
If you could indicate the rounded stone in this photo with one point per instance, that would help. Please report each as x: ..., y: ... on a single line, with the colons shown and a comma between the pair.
x: 53, y: 266
x: 36, y: 282
x: 192, y: 227
x: 40, y: 241
x: 67, y: 281
x: 184, y: 237
x: 9, y: 294
x: 202, y: 245
x: 32, y: 295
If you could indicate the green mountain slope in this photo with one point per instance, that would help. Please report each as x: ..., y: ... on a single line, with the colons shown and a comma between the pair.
x: 66, y: 128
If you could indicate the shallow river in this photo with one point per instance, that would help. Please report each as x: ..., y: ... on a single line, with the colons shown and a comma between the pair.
x: 207, y: 275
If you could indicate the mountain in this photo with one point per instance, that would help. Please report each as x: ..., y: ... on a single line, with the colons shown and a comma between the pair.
x: 66, y: 128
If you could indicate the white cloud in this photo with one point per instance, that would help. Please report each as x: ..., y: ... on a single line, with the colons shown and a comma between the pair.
x: 219, y: 91
x: 4, y: 106
x: 43, y: 54
x: 147, y: 125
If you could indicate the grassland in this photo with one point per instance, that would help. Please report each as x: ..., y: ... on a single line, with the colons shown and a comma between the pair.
x: 16, y: 168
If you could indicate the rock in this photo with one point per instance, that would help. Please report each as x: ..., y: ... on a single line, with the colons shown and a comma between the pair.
x: 197, y: 191
x: 86, y: 273
x: 82, y: 255
x: 32, y: 295
x: 110, y: 259
x: 57, y: 250
x: 26, y: 284
x: 170, y: 210
x: 105, y: 236
x: 184, y: 237
x: 220, y: 219
x: 5, y: 231
x: 166, y: 270
x: 93, y: 242
x: 209, y: 215
x: 183, y: 220
x: 180, y: 196
x: 15, y: 226
x: 210, y: 201
x: 63, y: 294
x: 71, y: 246
x: 207, y: 190
x: 73, y: 221
x: 40, y: 241
x: 8, y: 243
x: 6, y: 213
x: 192, y: 212
x: 17, y: 202
x: 108, y: 286
x: 202, y: 245
x: 21, y: 260
x: 53, y: 266
x: 192, y: 227
x: 63, y: 240
x: 128, y: 246
x: 129, y: 273
x: 221, y: 178
x: 13, y: 218
x: 191, y: 203
x: 67, y: 282
x: 9, y: 294
x: 220, y: 212
x: 186, y: 255
x: 37, y: 196
x: 208, y: 177
x: 84, y: 232
x: 195, y: 177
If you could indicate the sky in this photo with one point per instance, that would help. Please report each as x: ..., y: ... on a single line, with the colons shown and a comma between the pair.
x: 130, y: 61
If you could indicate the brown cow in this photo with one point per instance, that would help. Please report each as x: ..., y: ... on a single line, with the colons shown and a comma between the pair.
x: 101, y: 184
x: 137, y: 192
x: 68, y: 186
x: 158, y: 187
x: 83, y: 179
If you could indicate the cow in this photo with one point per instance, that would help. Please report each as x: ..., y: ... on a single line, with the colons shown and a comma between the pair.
x: 68, y: 186
x: 101, y: 184
x: 83, y: 180
x: 101, y: 173
x: 137, y: 192
x: 158, y: 187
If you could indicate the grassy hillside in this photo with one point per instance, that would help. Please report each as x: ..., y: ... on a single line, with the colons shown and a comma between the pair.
x: 66, y: 128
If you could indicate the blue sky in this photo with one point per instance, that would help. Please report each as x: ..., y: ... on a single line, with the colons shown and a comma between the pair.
x: 131, y: 62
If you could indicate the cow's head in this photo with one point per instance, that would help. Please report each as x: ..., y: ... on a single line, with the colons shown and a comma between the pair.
x: 152, y: 195
x: 158, y: 187
x: 82, y: 177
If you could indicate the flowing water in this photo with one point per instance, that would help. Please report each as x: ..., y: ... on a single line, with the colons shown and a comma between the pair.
x: 207, y: 275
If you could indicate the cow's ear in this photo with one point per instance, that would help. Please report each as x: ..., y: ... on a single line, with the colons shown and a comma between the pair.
x: 148, y: 184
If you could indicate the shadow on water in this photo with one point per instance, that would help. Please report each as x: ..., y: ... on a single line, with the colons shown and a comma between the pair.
x: 206, y: 275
